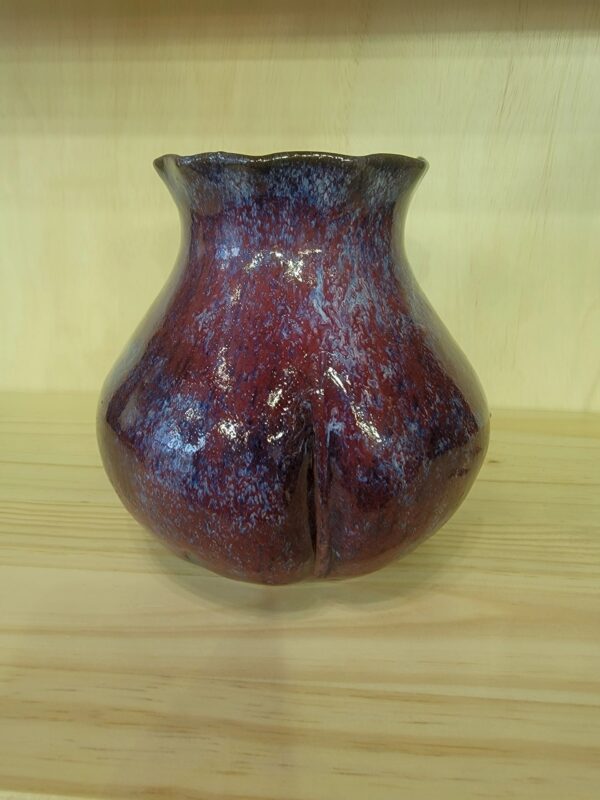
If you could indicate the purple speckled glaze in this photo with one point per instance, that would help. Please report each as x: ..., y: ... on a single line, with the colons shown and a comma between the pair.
x: 292, y: 406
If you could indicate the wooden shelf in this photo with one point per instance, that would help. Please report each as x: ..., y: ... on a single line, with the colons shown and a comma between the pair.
x: 469, y: 669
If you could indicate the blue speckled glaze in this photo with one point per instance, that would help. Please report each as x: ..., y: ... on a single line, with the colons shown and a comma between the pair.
x: 292, y: 406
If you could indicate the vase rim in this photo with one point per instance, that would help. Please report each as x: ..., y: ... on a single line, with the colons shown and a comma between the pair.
x: 293, y: 157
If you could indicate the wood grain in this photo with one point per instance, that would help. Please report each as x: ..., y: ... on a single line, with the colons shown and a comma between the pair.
x: 501, y: 97
x: 470, y: 669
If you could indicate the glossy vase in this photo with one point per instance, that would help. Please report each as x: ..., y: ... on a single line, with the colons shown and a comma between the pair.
x: 292, y: 406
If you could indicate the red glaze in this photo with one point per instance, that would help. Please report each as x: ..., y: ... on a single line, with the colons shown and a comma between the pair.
x: 292, y: 406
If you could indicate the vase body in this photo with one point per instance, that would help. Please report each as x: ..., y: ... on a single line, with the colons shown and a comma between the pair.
x: 292, y: 406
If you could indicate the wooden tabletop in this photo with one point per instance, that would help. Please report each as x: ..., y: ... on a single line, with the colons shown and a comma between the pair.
x: 470, y: 669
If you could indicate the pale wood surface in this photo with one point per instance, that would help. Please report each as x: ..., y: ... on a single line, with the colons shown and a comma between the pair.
x: 471, y: 669
x: 500, y: 95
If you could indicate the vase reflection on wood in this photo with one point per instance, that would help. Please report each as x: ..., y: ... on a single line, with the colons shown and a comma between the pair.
x: 292, y: 406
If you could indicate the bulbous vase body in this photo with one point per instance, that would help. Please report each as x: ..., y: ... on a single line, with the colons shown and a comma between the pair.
x: 292, y: 406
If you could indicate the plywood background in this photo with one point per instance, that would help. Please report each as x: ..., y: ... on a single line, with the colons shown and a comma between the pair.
x: 502, y: 97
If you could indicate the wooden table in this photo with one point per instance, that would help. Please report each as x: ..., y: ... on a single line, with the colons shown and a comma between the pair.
x: 469, y: 670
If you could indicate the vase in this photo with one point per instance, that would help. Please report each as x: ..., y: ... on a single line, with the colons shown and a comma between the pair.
x: 291, y: 406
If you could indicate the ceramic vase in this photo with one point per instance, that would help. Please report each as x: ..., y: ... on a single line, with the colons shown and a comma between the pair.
x: 292, y: 407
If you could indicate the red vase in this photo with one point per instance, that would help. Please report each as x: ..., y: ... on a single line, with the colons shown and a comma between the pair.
x: 292, y: 406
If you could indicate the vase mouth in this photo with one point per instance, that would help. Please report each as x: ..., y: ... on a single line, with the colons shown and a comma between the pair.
x: 208, y: 183
x: 291, y: 157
